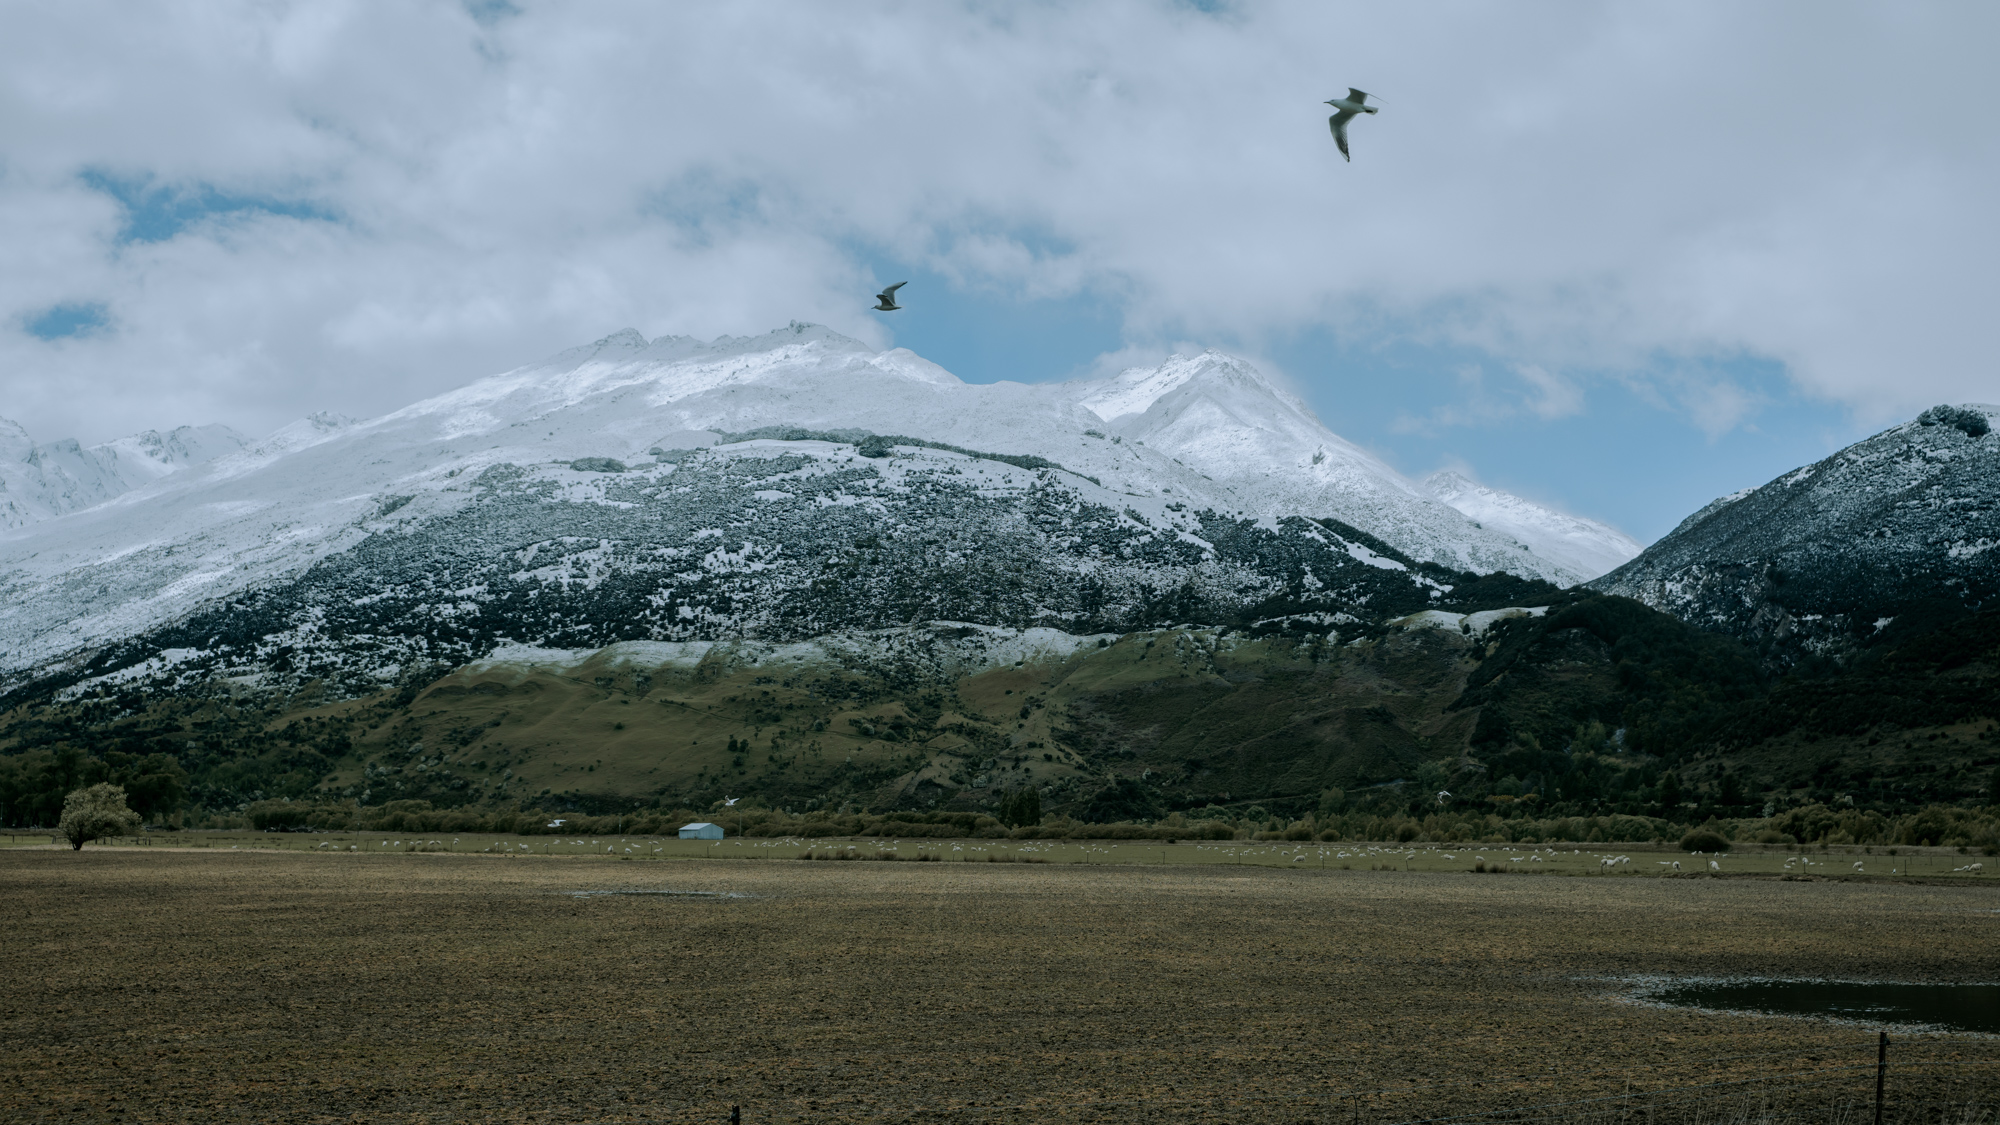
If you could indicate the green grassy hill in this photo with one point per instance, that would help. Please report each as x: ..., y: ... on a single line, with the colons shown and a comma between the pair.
x: 1600, y: 706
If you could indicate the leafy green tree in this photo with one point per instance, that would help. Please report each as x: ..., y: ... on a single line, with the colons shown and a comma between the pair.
x: 1993, y: 788
x: 1732, y: 789
x: 1123, y: 800
x: 1022, y: 809
x: 1670, y: 793
x: 1704, y: 840
x: 94, y: 814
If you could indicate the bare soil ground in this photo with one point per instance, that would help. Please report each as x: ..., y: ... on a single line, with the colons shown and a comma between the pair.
x: 151, y: 984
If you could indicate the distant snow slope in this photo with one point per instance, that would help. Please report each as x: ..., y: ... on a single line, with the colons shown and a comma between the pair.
x: 1579, y: 545
x: 43, y: 481
x: 1899, y: 527
x: 743, y: 462
x: 1223, y: 418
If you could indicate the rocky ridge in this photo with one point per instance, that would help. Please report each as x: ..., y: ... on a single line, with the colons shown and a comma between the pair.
x: 43, y: 480
x: 774, y: 488
x: 1896, y: 531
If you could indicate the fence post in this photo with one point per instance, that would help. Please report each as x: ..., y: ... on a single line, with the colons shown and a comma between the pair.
x: 1881, y: 1069
x: 736, y: 1115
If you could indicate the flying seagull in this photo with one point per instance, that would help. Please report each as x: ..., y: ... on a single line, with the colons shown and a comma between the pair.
x: 885, y: 301
x: 730, y: 801
x: 1347, y: 107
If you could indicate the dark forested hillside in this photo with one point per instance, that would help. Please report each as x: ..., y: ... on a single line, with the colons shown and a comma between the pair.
x: 1597, y: 707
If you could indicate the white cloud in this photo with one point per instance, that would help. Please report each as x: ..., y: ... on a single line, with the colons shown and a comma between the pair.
x: 1565, y: 188
x: 1550, y: 396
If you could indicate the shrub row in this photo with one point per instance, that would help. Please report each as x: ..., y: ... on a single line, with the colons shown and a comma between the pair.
x: 1937, y: 825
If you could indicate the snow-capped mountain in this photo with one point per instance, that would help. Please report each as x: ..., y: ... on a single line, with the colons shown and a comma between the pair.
x: 676, y: 490
x: 1581, y: 546
x: 42, y: 481
x: 1220, y: 416
x: 1903, y: 524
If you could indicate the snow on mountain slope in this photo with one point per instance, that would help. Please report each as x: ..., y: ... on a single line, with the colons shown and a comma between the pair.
x: 776, y: 540
x: 1581, y: 546
x: 43, y: 481
x: 1902, y: 524
x: 1221, y: 417
x: 752, y: 534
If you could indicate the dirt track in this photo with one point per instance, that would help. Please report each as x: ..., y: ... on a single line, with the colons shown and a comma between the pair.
x: 145, y: 984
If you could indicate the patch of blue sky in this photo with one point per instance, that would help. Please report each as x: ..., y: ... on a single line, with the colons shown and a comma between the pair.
x: 985, y: 335
x: 1626, y: 448
x: 155, y: 212
x: 67, y: 320
x: 489, y: 12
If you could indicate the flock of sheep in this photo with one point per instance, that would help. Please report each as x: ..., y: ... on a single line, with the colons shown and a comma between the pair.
x: 1606, y: 864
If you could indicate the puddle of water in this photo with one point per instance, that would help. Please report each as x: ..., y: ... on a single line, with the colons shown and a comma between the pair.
x: 1964, y: 1007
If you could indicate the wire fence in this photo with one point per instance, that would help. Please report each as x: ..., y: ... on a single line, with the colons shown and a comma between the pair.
x: 1932, y: 1080
x: 1928, y: 1081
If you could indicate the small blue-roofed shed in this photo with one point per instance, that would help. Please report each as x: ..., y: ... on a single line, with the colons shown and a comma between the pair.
x: 701, y: 830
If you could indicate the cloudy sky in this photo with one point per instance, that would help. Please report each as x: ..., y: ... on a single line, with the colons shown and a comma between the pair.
x: 1620, y: 258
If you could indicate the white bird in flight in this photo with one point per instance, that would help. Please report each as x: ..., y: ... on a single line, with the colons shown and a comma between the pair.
x: 730, y: 802
x: 1347, y: 107
x: 885, y: 301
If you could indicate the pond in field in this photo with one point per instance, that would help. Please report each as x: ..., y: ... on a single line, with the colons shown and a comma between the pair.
x: 1964, y: 1007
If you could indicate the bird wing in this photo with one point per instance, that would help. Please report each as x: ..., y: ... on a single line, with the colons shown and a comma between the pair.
x: 1338, y: 123
x: 889, y: 294
x: 1356, y: 96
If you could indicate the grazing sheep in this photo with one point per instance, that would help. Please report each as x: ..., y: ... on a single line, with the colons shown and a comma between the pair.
x: 1714, y: 866
x: 1677, y: 865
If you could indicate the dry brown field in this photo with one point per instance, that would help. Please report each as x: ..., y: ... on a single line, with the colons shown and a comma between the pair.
x: 159, y: 984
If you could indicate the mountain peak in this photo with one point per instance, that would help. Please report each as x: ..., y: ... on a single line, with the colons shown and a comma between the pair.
x: 623, y: 338
x: 42, y: 481
x: 1136, y: 389
x: 15, y: 444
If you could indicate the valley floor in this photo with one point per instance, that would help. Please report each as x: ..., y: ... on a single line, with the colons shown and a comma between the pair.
x: 218, y: 985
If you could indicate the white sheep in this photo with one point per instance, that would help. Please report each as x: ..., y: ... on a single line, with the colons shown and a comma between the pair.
x: 1677, y: 865
x: 1714, y: 866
